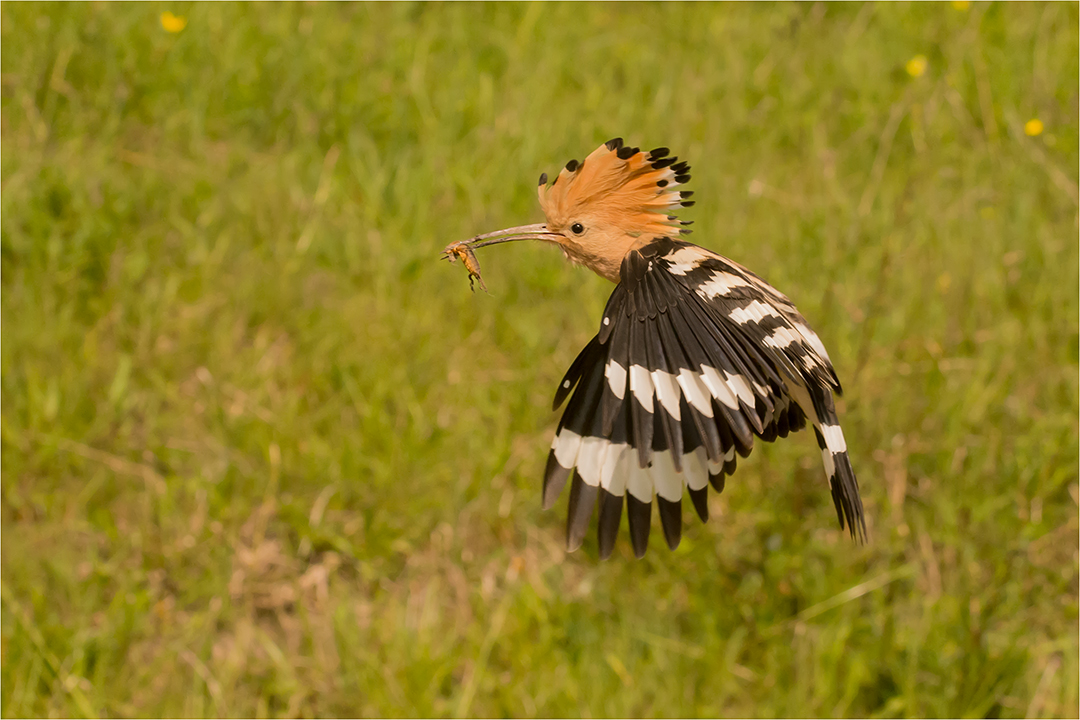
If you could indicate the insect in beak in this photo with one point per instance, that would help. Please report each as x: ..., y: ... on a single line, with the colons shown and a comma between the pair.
x: 468, y: 258
x: 463, y: 249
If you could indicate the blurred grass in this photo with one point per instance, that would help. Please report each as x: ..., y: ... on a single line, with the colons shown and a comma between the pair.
x: 263, y: 455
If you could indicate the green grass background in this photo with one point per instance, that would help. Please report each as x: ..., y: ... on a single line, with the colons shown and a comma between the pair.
x: 263, y: 454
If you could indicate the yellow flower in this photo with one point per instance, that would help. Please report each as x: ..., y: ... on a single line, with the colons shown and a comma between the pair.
x: 961, y: 4
x: 1033, y: 127
x: 916, y: 66
x: 172, y: 23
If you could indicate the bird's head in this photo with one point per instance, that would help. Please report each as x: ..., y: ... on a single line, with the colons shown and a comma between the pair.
x: 599, y: 209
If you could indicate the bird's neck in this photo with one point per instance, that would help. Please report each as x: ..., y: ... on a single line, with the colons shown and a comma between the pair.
x: 604, y: 255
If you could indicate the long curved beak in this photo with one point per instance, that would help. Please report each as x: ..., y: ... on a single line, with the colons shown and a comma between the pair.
x: 538, y: 231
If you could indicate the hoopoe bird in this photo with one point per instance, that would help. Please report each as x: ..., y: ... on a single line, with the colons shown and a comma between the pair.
x: 695, y: 356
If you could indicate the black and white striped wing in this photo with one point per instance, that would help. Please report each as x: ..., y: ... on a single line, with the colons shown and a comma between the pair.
x: 695, y: 357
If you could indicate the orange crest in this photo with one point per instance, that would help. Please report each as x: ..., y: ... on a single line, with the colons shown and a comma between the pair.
x: 618, y: 187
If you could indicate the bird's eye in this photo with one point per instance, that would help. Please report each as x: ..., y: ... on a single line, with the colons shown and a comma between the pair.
x: 577, y: 228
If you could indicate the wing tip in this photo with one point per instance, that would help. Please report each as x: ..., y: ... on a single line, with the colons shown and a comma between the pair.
x: 555, y: 477
x: 582, y: 501
x: 639, y: 515
x: 671, y: 521
x: 607, y: 529
x: 700, y: 500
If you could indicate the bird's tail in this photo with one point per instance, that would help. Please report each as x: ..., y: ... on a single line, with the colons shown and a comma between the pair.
x: 842, y: 482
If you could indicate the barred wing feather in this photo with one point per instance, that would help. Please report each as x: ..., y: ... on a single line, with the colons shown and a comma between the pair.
x: 694, y: 358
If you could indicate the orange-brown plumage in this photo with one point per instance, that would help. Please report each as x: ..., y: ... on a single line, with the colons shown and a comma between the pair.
x: 619, y: 197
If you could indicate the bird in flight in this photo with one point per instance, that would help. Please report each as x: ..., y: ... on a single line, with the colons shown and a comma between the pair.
x: 695, y: 356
